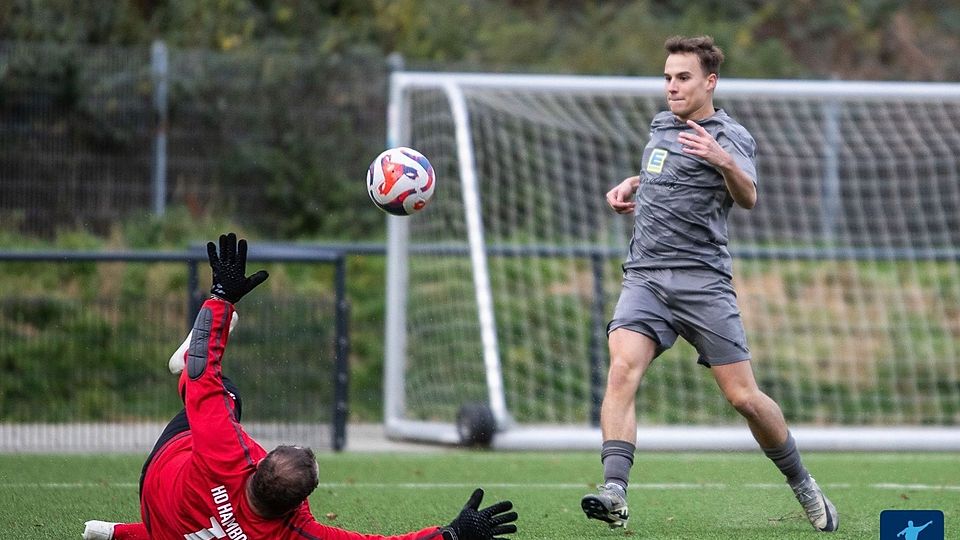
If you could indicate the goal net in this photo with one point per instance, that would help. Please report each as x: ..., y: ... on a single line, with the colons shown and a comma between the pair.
x: 847, y: 270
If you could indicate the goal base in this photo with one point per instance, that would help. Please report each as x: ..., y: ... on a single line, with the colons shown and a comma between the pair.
x: 683, y: 438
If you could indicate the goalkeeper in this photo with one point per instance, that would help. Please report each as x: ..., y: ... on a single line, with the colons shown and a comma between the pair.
x: 677, y: 279
x: 207, y: 478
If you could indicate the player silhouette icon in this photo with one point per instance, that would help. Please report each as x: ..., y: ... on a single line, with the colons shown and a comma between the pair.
x: 910, y: 532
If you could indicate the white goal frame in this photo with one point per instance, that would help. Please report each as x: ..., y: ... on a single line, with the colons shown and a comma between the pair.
x: 509, y: 434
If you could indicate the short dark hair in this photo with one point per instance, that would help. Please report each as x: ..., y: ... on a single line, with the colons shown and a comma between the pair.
x: 709, y: 54
x: 283, y: 480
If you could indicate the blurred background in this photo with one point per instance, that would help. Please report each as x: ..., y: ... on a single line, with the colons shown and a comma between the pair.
x: 156, y: 125
x: 273, y: 109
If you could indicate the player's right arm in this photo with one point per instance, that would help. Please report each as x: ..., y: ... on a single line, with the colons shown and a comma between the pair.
x: 314, y: 529
x: 621, y: 197
x: 472, y: 523
x: 303, y: 525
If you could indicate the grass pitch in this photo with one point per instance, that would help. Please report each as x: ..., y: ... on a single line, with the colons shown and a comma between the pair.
x: 696, y: 496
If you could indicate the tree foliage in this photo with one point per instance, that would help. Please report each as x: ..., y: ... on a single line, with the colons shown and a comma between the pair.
x: 871, y: 39
x: 310, y: 113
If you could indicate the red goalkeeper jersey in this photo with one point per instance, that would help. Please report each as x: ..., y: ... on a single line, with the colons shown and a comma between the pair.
x: 194, y: 488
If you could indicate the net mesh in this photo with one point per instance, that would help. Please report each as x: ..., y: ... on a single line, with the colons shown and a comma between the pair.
x: 89, y: 375
x: 846, y: 270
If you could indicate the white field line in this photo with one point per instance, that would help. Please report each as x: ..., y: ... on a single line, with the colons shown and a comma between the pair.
x: 722, y: 457
x: 917, y: 487
x: 508, y: 485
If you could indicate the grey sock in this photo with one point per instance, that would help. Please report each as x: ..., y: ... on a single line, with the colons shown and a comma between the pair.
x: 787, y: 459
x: 617, y: 458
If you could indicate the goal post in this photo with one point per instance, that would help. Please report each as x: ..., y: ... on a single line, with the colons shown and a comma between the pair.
x: 848, y: 269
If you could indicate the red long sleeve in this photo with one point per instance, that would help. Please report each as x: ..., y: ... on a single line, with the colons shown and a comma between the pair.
x: 195, y: 487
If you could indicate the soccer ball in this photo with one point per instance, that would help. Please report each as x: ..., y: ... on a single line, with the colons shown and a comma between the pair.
x: 400, y: 181
x: 475, y: 424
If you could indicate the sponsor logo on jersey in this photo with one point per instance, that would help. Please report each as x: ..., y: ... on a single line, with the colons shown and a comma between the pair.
x: 657, y: 158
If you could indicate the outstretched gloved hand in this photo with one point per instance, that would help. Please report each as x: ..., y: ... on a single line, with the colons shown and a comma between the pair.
x: 486, y: 524
x: 230, y: 281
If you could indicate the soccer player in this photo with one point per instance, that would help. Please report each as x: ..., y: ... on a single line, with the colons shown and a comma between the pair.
x: 911, y: 532
x: 677, y: 279
x: 206, y: 478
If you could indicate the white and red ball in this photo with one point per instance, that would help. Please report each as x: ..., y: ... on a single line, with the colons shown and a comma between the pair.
x: 400, y: 181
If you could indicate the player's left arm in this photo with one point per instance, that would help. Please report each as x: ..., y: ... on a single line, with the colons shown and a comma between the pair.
x: 217, y: 434
x: 741, y: 185
x: 219, y: 439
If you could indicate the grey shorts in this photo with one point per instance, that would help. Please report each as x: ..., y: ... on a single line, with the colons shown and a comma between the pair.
x: 696, y: 303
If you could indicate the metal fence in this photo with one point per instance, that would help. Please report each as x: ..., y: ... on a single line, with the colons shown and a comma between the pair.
x: 84, y: 371
x: 90, y: 136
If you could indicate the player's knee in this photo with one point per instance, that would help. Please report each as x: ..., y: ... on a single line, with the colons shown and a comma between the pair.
x: 748, y: 404
x: 623, y: 375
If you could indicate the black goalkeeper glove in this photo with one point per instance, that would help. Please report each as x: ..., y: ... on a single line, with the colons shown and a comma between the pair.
x: 486, y: 524
x: 230, y: 281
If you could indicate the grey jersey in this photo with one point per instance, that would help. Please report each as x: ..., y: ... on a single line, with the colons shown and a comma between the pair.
x: 682, y: 201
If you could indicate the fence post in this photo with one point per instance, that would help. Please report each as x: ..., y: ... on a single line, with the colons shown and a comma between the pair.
x: 341, y: 381
x: 830, y: 185
x: 161, y: 74
x: 194, y: 298
x: 597, y: 330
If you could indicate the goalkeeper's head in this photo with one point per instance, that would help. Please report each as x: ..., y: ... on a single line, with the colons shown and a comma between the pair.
x: 282, y: 481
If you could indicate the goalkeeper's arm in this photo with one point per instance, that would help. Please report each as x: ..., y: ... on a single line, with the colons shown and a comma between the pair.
x: 487, y: 524
x: 471, y: 524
